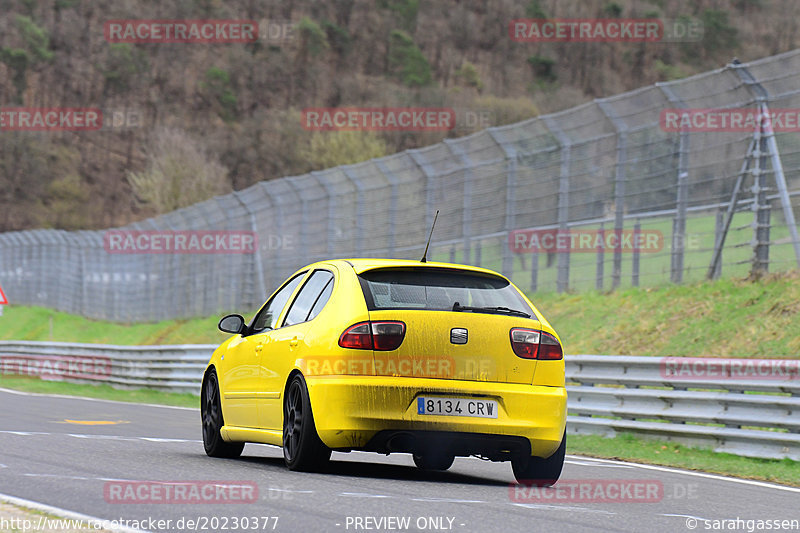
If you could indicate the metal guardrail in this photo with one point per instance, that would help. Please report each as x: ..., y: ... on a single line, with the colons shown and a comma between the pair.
x: 175, y: 368
x: 607, y: 394
x: 622, y: 394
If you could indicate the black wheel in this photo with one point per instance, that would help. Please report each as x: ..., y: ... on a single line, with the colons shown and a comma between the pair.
x: 211, y: 413
x: 433, y: 460
x: 535, y: 471
x: 302, y: 448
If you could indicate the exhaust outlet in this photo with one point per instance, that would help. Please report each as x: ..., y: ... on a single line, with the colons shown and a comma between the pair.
x: 401, y: 442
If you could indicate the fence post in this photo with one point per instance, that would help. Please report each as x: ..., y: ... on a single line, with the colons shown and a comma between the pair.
x: 619, y: 187
x: 303, y: 255
x: 326, y: 184
x: 637, y: 230
x: 257, y: 264
x: 761, y: 210
x: 731, y: 209
x: 229, y: 299
x: 392, y: 204
x: 679, y: 228
x: 780, y: 180
x: 562, y: 281
x: 534, y: 270
x: 275, y: 273
x: 719, y: 228
x: 511, y: 185
x: 466, y: 206
x: 682, y: 193
x: 771, y: 147
x: 429, y: 174
x: 600, y: 258
x: 359, y: 238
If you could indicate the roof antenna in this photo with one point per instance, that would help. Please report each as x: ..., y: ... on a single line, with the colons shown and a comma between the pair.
x: 425, y: 253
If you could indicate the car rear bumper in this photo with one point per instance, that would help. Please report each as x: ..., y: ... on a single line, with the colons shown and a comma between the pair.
x: 350, y: 411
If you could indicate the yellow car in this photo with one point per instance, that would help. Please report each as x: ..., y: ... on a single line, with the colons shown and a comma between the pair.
x: 433, y: 359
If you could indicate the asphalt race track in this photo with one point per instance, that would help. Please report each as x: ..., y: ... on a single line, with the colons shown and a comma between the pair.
x: 52, y: 454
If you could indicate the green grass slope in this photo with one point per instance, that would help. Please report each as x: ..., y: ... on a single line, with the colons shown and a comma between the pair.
x: 725, y: 318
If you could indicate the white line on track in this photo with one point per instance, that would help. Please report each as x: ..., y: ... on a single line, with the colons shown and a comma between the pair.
x: 684, y: 516
x: 570, y: 508
x: 597, y: 465
x: 363, y: 495
x: 98, y: 437
x: 276, y: 489
x: 445, y: 500
x: 718, y: 477
x: 58, y: 476
x: 85, y: 399
x: 65, y: 513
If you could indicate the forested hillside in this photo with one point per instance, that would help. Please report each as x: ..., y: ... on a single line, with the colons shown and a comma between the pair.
x: 204, y: 119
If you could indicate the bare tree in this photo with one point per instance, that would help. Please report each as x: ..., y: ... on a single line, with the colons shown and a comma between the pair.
x: 179, y: 173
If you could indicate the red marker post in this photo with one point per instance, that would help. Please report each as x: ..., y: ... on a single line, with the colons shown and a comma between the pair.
x: 3, y: 300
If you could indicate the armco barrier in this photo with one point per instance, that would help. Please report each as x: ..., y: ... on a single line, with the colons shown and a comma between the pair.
x: 607, y: 394
x: 175, y: 368
x: 757, y: 417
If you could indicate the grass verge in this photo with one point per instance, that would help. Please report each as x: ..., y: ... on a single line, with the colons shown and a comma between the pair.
x: 628, y: 447
x: 724, y: 318
x: 25, y: 323
x: 104, y: 392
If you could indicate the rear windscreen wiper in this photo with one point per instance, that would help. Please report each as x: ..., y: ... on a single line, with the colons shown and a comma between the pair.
x: 496, y: 310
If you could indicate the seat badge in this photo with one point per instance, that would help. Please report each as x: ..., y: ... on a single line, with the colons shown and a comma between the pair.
x: 458, y: 336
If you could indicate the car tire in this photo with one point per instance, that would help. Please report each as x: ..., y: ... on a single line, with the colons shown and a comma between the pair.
x: 302, y: 448
x: 211, y: 416
x: 539, y: 472
x: 433, y: 461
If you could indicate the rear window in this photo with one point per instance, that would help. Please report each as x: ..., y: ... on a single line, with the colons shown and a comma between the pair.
x: 439, y: 290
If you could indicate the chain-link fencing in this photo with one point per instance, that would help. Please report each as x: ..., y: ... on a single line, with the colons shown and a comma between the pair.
x: 608, y: 194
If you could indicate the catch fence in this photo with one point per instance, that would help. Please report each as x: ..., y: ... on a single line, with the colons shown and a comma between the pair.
x: 601, y: 177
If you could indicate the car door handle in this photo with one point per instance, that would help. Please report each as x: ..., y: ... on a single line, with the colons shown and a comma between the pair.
x: 293, y: 342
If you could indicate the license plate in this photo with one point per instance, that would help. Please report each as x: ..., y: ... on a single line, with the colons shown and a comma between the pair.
x: 457, y: 407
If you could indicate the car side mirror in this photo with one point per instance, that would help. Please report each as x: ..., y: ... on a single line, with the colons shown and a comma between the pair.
x: 232, y: 324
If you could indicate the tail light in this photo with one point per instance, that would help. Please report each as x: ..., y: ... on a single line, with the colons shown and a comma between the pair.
x: 382, y: 336
x: 549, y: 348
x: 534, y: 344
x: 358, y: 336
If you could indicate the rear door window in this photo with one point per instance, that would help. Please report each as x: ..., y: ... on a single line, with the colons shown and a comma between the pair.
x: 267, y: 318
x: 437, y: 289
x: 310, y: 297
